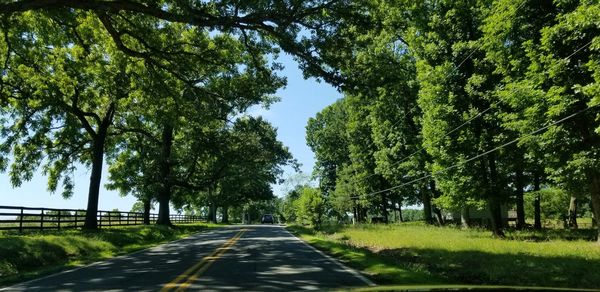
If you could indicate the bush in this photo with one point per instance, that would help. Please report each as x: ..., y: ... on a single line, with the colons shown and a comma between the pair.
x: 310, y: 207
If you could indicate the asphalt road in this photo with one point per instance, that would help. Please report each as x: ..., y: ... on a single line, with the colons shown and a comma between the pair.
x: 248, y: 257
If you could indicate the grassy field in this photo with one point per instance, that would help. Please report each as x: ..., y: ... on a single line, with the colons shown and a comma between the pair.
x: 33, y: 254
x: 409, y: 254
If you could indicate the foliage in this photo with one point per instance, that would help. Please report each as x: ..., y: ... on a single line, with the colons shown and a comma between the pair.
x: 310, y: 207
x: 61, y: 90
x: 464, y: 104
x: 448, y: 104
x: 412, y: 215
x: 143, y: 83
x: 326, y: 136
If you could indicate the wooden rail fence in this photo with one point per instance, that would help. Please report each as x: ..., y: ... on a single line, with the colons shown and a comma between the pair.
x: 24, y: 218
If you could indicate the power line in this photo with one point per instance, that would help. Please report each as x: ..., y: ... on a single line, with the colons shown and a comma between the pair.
x: 492, y: 150
x: 448, y: 133
x: 482, y: 154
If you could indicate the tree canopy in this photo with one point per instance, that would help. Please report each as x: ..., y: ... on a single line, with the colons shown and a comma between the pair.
x: 485, y: 101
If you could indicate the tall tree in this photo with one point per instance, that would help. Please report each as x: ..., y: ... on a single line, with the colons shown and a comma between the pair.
x: 565, y: 67
x: 222, y: 79
x: 326, y: 136
x: 459, y: 112
x: 511, y: 29
x: 362, y: 155
x: 61, y: 89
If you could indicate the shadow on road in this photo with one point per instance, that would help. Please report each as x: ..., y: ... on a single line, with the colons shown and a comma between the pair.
x: 265, y: 258
x: 269, y: 258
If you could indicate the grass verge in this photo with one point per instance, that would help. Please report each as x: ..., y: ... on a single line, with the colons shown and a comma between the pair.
x: 410, y: 254
x: 31, y: 255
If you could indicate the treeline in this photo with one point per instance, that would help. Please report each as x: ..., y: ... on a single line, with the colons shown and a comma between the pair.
x: 306, y: 205
x: 464, y: 105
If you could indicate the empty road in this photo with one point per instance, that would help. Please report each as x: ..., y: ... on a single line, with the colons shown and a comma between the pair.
x: 247, y: 257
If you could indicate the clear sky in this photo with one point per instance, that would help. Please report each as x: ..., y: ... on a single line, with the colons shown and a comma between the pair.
x: 300, y: 100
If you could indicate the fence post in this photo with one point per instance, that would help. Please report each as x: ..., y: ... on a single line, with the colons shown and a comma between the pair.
x: 76, y: 219
x: 99, y: 215
x: 109, y: 219
x: 21, y: 221
x: 42, y: 220
x: 127, y: 218
x: 59, y: 220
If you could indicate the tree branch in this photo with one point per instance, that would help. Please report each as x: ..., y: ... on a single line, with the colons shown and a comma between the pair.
x: 119, y: 131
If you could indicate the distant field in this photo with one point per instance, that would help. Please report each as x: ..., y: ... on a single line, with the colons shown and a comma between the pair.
x: 28, y: 255
x: 419, y: 254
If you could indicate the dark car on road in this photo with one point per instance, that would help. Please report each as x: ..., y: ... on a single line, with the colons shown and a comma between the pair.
x: 267, y: 218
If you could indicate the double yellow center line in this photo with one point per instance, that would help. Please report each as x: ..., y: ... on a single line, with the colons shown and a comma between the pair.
x: 183, y: 281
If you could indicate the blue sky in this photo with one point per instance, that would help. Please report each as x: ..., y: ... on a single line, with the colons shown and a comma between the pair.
x: 300, y: 100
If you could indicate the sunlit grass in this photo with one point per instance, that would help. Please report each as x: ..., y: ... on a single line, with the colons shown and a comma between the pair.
x: 419, y: 254
x: 453, y: 239
x: 24, y: 256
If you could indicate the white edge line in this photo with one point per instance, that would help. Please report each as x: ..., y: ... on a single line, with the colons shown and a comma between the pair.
x: 16, y: 285
x: 331, y: 259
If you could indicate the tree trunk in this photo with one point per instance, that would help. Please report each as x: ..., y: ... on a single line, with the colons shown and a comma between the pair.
x: 465, y: 217
x: 437, y: 211
x: 438, y: 216
x: 384, y: 207
x: 225, y: 211
x: 99, y: 141
x: 363, y: 214
x: 537, y: 209
x: 595, y: 194
x: 91, y: 214
x: 519, y: 185
x: 496, y: 217
x: 426, y: 198
x: 147, y: 206
x: 494, y: 203
x: 355, y: 211
x: 573, y: 213
x: 212, y: 212
x: 360, y: 214
x: 594, y: 221
x: 164, y: 196
x: 164, y: 216
x: 400, y: 211
x: 212, y: 206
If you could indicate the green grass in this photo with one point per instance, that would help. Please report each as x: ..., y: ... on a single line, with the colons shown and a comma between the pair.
x: 409, y: 254
x: 35, y: 254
